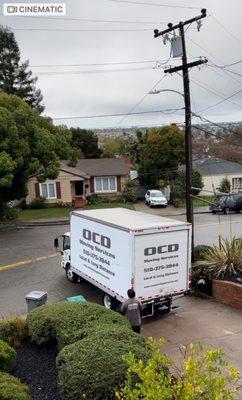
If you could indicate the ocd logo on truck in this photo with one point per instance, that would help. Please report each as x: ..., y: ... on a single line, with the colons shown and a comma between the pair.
x: 96, y: 238
x: 168, y: 248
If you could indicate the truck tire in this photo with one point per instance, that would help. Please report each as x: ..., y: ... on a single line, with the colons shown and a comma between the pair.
x: 214, y: 212
x: 71, y: 276
x: 109, y: 302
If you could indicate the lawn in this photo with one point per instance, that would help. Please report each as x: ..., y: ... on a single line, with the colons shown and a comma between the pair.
x: 198, y: 202
x: 60, y: 212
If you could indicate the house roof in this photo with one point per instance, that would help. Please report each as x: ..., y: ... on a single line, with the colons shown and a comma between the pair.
x: 98, y: 167
x: 217, y: 166
x: 73, y: 170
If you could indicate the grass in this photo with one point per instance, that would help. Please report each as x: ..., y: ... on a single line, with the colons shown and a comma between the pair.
x: 59, y: 212
x: 197, y: 202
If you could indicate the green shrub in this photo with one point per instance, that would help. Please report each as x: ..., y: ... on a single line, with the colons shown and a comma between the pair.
x: 39, y: 202
x: 200, y: 251
x: 7, y: 357
x: 14, y: 331
x: 12, y: 389
x: 68, y: 322
x: 93, y: 368
x: 130, y: 190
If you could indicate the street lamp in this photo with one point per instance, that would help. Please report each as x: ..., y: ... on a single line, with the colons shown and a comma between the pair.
x: 165, y: 90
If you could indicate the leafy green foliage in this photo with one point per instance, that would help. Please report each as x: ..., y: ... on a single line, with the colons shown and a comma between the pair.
x: 160, y: 154
x: 93, y: 367
x: 178, y: 188
x: 68, y: 322
x: 38, y: 203
x: 28, y: 143
x: 86, y: 142
x: 224, y: 261
x: 115, y: 147
x: 130, y: 189
x: 200, y: 251
x: 14, y: 331
x: 15, y: 77
x: 7, y: 357
x: 12, y: 389
x: 225, y: 186
x: 203, y: 375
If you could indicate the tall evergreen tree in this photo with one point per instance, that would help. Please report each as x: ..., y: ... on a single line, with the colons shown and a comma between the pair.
x: 15, y: 76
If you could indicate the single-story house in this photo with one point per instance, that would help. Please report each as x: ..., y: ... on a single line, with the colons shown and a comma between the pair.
x: 101, y: 176
x: 214, y: 170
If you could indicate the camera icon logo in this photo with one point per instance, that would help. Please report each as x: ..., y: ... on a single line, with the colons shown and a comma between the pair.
x: 12, y: 9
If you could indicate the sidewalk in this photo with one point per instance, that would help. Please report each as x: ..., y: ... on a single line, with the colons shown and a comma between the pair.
x: 169, y: 211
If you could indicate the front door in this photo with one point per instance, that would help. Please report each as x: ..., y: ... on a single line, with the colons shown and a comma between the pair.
x: 79, y: 188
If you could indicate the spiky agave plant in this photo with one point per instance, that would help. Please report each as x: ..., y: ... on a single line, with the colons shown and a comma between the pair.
x: 222, y: 262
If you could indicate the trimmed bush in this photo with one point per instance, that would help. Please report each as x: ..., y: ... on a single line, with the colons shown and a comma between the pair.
x: 93, y: 368
x: 69, y: 322
x: 7, y: 357
x: 14, y: 331
x: 12, y: 389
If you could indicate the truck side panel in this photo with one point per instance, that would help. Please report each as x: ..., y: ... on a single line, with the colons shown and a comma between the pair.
x: 161, y: 263
x: 102, y: 255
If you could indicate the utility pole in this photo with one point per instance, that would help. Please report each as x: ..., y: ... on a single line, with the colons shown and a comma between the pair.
x: 187, y: 100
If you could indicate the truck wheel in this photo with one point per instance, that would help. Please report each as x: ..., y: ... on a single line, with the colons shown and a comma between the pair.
x: 226, y: 210
x: 109, y: 302
x: 214, y: 212
x: 71, y: 276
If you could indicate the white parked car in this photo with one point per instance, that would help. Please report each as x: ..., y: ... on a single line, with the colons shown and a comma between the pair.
x: 155, y: 198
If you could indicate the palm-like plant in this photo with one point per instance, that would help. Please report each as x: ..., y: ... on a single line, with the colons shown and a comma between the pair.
x: 221, y: 262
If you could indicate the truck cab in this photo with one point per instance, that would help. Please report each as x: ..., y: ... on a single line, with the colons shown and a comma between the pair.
x: 63, y: 246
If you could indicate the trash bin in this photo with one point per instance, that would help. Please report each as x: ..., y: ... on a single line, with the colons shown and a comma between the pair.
x: 35, y: 299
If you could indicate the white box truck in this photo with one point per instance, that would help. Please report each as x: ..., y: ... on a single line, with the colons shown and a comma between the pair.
x: 117, y: 249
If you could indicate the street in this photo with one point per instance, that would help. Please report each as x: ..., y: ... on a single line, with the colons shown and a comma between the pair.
x: 28, y: 262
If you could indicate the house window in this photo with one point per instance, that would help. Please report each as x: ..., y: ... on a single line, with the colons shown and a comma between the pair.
x: 106, y: 184
x: 48, y: 190
x: 236, y: 183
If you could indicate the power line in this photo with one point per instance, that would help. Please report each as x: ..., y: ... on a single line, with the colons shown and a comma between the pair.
x: 81, y: 30
x: 221, y: 101
x: 117, y: 114
x: 215, y: 124
x: 94, y: 71
x: 93, y: 64
x: 139, y: 102
x: 111, y: 21
x: 226, y: 30
x: 155, y: 4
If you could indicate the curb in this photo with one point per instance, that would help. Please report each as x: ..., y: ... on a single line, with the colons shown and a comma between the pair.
x: 32, y: 224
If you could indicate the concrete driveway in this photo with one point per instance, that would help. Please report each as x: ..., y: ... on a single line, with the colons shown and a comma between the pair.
x: 205, y: 320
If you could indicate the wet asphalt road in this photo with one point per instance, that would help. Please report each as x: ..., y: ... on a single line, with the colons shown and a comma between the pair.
x: 216, y: 324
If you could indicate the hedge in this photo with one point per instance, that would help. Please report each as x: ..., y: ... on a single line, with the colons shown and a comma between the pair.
x: 93, y: 368
x: 12, y: 389
x: 7, y: 357
x: 69, y: 322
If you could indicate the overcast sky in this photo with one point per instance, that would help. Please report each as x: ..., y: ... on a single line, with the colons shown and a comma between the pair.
x: 117, y: 88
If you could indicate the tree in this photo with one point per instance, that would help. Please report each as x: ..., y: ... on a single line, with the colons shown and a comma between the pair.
x: 115, y: 147
x: 224, y: 186
x: 86, y: 142
x: 28, y: 143
x: 203, y: 375
x: 160, y: 154
x: 178, y: 190
x: 15, y: 77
